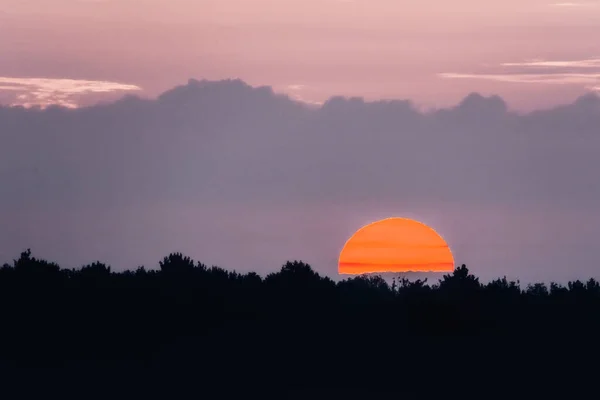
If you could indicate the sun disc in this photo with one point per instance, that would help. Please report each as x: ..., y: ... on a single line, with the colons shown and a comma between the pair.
x: 395, y: 245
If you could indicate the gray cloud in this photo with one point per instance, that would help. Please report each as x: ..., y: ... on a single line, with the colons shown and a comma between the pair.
x: 246, y: 178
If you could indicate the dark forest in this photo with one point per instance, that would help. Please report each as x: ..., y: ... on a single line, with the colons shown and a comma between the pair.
x: 294, y: 332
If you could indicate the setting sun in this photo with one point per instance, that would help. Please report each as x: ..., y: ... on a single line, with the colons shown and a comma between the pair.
x: 395, y: 245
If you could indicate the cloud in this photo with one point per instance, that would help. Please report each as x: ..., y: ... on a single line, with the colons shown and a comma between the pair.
x: 574, y: 5
x: 558, y: 78
x: 587, y: 63
x: 246, y: 178
x: 63, y: 92
x: 295, y: 91
x: 552, y: 72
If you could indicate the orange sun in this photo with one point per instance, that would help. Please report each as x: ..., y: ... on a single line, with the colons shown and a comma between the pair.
x: 395, y: 245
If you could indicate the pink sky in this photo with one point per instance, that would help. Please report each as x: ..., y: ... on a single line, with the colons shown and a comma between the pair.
x: 433, y: 52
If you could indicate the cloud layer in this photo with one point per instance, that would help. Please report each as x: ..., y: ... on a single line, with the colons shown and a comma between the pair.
x: 575, y: 5
x: 585, y: 72
x: 245, y: 178
x: 68, y: 93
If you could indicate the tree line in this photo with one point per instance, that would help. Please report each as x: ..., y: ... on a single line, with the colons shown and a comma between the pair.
x: 226, y: 323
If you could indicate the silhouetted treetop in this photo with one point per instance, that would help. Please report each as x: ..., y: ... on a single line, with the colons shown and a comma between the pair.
x: 186, y: 298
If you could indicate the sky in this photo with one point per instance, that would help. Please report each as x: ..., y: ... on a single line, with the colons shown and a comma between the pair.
x: 533, y: 53
x: 240, y: 177
x: 252, y: 133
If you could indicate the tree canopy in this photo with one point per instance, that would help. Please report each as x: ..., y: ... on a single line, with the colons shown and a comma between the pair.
x: 289, y: 325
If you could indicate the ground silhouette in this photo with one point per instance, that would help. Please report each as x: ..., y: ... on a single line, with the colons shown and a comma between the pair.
x: 189, y: 328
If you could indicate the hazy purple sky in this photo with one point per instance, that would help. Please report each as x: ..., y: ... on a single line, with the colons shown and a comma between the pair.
x: 534, y: 53
x: 235, y: 175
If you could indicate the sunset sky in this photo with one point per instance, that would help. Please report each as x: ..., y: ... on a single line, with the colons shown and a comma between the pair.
x: 231, y: 173
x: 534, y: 53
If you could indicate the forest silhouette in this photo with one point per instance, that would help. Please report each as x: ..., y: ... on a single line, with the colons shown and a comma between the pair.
x: 242, y: 333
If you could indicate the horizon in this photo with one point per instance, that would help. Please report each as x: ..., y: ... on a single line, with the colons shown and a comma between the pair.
x: 423, y: 278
